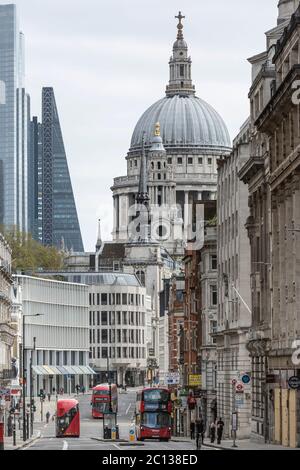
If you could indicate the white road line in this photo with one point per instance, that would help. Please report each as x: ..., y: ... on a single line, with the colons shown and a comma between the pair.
x: 65, y: 446
x: 127, y: 411
x: 117, y: 447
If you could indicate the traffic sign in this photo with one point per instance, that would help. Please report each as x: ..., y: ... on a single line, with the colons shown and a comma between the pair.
x: 239, y: 388
x: 294, y: 382
x: 246, y: 379
x: 172, y: 378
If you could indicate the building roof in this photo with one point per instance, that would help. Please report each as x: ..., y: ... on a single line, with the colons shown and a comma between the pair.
x: 185, y: 121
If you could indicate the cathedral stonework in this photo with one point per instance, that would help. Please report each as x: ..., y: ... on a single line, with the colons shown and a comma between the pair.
x: 183, y: 137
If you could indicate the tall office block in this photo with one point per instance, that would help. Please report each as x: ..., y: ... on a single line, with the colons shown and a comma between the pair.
x: 60, y: 220
x: 35, y: 179
x: 13, y: 122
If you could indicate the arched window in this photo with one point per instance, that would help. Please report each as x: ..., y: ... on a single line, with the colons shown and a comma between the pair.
x: 141, y: 276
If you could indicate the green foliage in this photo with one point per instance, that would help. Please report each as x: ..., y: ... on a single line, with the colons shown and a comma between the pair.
x: 29, y: 255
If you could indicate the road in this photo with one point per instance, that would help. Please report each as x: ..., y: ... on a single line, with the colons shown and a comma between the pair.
x: 92, y: 430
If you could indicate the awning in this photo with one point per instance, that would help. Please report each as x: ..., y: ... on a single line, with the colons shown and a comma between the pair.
x: 38, y: 370
x: 62, y: 370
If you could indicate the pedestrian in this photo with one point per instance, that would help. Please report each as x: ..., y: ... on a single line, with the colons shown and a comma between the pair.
x: 200, y: 429
x: 83, y: 390
x: 47, y: 417
x: 212, y: 432
x: 49, y: 396
x: 192, y: 429
x: 220, y: 427
x: 53, y: 390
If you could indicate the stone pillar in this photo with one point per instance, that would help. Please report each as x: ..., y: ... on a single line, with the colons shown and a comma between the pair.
x: 186, y: 213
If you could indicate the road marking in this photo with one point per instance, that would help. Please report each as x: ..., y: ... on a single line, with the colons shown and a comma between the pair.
x: 127, y: 411
x: 117, y: 447
x: 65, y: 446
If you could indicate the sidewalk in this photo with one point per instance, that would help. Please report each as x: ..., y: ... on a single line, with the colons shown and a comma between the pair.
x: 39, y: 424
x: 244, y: 444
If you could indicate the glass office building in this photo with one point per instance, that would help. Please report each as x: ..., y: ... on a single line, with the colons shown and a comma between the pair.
x: 59, y: 214
x: 13, y: 123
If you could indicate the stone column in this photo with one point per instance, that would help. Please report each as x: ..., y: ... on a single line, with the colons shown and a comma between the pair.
x: 186, y: 213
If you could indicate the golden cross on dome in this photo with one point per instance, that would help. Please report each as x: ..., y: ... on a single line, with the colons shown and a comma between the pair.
x: 180, y: 17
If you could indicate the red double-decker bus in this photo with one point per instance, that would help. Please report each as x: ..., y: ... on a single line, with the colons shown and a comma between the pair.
x: 101, y: 398
x: 67, y: 418
x: 153, y: 414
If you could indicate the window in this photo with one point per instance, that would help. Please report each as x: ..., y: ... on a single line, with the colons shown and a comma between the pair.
x: 124, y: 336
x: 141, y: 276
x: 103, y: 299
x: 104, y: 353
x: 113, y: 319
x: 190, y: 161
x: 169, y: 161
x: 116, y: 266
x: 209, y: 161
x: 182, y: 70
x: 118, y: 336
x: 213, y: 262
x: 118, y: 298
x: 179, y: 161
x: 118, y: 318
x: 104, y: 336
x: 200, y: 161
x: 124, y: 315
x: 213, y: 296
x: 124, y: 299
x: 104, y: 320
x: 135, y: 163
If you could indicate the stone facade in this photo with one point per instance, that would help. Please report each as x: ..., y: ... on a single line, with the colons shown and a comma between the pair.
x: 208, y: 278
x: 273, y: 198
x: 234, y: 314
x: 6, y: 331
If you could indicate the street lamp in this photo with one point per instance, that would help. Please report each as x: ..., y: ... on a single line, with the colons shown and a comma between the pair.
x: 24, y: 370
x: 109, y: 382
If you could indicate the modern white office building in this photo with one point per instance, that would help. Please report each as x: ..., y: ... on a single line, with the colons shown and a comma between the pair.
x: 55, y: 316
x: 117, y: 324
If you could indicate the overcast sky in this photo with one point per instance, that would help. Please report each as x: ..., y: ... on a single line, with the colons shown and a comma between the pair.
x: 108, y: 62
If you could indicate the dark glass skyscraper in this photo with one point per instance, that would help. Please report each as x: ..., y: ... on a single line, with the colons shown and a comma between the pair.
x: 35, y: 180
x: 59, y: 215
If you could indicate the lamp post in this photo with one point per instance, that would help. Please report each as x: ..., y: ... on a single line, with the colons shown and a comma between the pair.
x: 31, y: 390
x: 109, y: 382
x: 24, y: 372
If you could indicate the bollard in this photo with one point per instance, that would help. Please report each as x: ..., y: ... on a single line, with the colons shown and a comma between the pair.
x: 1, y: 435
x: 14, y: 435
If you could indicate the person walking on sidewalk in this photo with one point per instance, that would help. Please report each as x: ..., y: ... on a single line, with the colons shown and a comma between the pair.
x: 192, y: 429
x: 47, y: 417
x: 212, y: 432
x: 200, y: 429
x: 220, y: 427
x: 49, y: 396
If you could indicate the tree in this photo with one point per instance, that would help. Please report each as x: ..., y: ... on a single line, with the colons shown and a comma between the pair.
x: 30, y: 255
